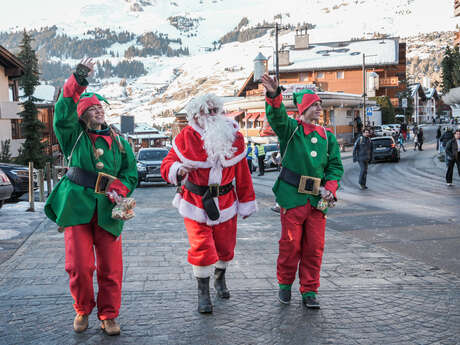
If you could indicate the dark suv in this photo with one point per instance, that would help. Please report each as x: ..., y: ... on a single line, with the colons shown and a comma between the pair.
x: 149, y: 163
x: 384, y: 149
x: 19, y: 177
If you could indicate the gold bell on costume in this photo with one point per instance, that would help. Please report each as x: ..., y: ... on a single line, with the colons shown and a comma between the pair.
x: 99, y: 165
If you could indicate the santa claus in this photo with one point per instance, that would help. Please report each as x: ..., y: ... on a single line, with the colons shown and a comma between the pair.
x: 208, y: 157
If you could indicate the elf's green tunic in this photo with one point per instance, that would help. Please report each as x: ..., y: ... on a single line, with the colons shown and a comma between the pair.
x: 69, y: 203
x: 307, y: 154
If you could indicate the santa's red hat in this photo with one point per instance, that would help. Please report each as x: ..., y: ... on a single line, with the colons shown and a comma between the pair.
x: 304, y: 99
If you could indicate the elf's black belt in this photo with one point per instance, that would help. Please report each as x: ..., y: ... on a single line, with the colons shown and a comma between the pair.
x: 304, y: 184
x: 207, y: 194
x: 98, y: 181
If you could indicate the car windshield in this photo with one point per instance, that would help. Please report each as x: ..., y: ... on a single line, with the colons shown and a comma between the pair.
x: 152, y: 155
x: 382, y: 142
x: 271, y: 148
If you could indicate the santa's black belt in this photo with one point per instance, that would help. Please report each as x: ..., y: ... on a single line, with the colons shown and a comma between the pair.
x: 207, y: 194
x: 304, y: 184
x: 98, y: 181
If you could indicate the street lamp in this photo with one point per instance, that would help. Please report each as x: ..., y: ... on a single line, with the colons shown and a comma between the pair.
x: 260, y: 66
x: 364, y: 87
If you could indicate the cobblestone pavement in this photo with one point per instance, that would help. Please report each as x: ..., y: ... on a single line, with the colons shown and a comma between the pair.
x: 369, y: 295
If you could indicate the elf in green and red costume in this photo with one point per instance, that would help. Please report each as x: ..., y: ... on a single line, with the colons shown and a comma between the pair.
x: 311, y: 170
x: 102, y: 170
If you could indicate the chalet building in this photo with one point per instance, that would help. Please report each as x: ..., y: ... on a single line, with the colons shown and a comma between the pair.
x: 11, y: 69
x: 425, y: 101
x: 144, y: 136
x: 338, y: 67
x: 457, y: 38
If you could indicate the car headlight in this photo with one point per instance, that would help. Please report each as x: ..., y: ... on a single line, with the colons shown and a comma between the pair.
x: 141, y: 166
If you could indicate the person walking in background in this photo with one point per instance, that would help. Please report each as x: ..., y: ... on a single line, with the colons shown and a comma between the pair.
x: 261, y: 158
x: 420, y: 139
x: 362, y: 153
x: 445, y: 137
x: 453, y: 156
x: 250, y: 156
x: 438, y: 137
x: 404, y: 130
x: 400, y: 141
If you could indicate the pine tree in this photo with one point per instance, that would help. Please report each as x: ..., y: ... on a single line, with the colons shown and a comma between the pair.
x: 450, y: 66
x: 32, y: 149
x: 5, y: 155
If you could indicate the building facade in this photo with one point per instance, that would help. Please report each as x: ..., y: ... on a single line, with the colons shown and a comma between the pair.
x: 11, y: 69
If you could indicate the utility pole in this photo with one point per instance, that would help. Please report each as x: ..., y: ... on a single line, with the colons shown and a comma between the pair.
x: 277, y: 28
x: 365, y: 120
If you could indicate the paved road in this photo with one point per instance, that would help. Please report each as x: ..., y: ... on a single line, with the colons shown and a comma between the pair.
x: 370, y: 293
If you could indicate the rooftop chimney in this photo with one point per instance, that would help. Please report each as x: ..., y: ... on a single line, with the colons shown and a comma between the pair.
x: 301, y: 37
x: 283, y: 55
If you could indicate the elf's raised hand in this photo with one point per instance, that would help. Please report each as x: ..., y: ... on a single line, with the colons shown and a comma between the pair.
x: 270, y: 84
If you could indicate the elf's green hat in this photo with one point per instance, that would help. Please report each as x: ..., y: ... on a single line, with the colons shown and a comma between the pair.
x: 304, y: 99
x: 88, y: 99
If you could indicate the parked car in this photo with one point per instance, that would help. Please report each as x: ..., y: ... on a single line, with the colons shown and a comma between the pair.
x: 270, y: 149
x: 384, y: 149
x: 6, y: 188
x: 395, y: 126
x: 19, y: 177
x: 149, y: 163
x: 380, y: 131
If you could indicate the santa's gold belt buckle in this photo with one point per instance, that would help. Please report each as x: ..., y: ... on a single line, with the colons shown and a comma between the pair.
x: 103, y: 180
x: 309, y: 185
x: 214, y: 188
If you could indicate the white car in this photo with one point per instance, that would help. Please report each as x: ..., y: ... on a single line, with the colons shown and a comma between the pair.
x: 382, y: 131
x: 395, y: 126
x: 390, y: 129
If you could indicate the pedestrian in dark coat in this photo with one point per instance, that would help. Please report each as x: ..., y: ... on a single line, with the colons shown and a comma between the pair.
x: 420, y: 139
x: 438, y: 137
x: 362, y: 153
x: 453, y: 156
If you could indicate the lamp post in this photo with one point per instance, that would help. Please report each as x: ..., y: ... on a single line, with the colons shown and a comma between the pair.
x: 364, y: 88
x: 277, y: 28
x: 260, y: 66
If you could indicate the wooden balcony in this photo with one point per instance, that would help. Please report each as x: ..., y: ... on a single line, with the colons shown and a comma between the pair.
x: 389, y: 82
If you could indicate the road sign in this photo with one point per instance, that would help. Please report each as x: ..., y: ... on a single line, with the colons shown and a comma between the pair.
x: 404, y: 102
x: 369, y: 111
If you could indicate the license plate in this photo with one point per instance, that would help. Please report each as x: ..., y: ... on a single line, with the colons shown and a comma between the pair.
x: 381, y: 149
x: 152, y: 175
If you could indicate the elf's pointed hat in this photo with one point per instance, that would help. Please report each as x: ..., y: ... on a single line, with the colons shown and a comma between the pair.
x: 87, y: 100
x: 304, y: 99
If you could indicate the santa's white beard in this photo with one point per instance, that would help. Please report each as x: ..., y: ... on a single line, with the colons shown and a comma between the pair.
x: 218, y: 136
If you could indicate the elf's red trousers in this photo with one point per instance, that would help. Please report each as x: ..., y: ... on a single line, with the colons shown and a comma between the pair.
x: 209, y: 244
x: 302, y: 239
x: 80, y: 243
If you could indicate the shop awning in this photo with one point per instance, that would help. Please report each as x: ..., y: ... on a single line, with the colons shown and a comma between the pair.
x: 252, y: 116
x: 234, y: 114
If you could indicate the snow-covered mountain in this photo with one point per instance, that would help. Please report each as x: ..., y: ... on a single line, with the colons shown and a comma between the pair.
x: 171, y: 81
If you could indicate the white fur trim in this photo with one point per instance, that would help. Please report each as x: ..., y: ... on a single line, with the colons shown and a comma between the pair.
x: 172, y: 175
x: 188, y: 210
x: 232, y: 161
x: 247, y: 208
x: 195, y: 126
x: 188, y: 162
x: 222, y: 264
x: 202, y: 271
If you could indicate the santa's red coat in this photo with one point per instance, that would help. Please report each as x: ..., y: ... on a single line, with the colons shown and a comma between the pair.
x: 188, y: 151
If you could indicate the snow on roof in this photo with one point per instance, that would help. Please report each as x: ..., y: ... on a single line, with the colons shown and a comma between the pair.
x: 45, y: 93
x: 148, y: 136
x: 344, y: 54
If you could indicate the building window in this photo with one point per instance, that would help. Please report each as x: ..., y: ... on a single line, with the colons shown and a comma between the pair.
x: 320, y: 75
x: 340, y: 74
x: 16, y: 131
x: 349, y: 113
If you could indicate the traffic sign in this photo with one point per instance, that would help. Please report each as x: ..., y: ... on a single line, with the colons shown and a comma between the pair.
x: 369, y: 111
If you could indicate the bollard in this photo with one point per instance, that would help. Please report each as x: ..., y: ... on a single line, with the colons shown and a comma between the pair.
x: 41, y: 184
x: 48, y: 178
x: 31, y: 188
x: 55, y: 178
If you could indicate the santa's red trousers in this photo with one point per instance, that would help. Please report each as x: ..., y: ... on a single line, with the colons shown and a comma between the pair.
x: 80, y: 243
x: 302, y: 239
x: 209, y: 244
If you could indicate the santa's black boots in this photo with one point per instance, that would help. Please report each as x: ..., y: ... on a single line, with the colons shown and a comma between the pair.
x: 219, y: 283
x: 204, y: 300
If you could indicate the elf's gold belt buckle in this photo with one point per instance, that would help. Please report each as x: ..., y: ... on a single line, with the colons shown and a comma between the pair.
x: 309, y: 185
x: 103, y: 182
